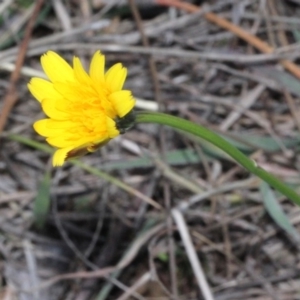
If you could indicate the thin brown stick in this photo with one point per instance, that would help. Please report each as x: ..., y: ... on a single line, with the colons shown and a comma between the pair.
x: 284, y: 42
x: 146, y: 44
x: 238, y: 31
x: 11, y: 96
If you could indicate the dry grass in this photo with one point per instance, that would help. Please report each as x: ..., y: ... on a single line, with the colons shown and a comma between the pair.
x: 213, y: 237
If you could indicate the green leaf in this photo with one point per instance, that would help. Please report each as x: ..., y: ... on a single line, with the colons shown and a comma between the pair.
x: 91, y: 170
x: 163, y: 256
x: 276, y: 212
x: 284, y: 79
x: 221, y: 143
x: 296, y: 35
x: 25, y: 3
x: 83, y: 204
x: 42, y: 201
x: 247, y: 143
x: 174, y: 158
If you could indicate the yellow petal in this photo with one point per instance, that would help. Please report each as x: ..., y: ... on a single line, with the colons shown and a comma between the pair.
x: 99, y: 122
x: 111, y: 128
x: 97, y: 68
x: 42, y: 129
x: 62, y: 124
x: 63, y: 141
x: 115, y: 77
x: 98, y: 140
x: 95, y: 147
x: 80, y: 73
x: 50, y: 109
x: 82, y: 108
x: 51, y: 128
x: 60, y: 156
x: 79, y: 151
x: 68, y: 91
x: 56, y: 68
x: 122, y: 101
x: 41, y: 89
x: 64, y: 105
x: 108, y: 108
x: 68, y: 140
x: 74, y: 92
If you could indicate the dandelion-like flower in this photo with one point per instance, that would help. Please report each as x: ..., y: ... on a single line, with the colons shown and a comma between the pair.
x: 84, y: 110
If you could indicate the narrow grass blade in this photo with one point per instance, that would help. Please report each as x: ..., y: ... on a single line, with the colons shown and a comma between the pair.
x: 87, y: 168
x: 42, y: 201
x: 276, y: 212
x: 208, y: 135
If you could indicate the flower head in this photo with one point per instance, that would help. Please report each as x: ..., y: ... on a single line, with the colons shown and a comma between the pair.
x: 83, y: 109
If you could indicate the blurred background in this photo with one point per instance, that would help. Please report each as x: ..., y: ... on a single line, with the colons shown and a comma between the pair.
x: 72, y: 233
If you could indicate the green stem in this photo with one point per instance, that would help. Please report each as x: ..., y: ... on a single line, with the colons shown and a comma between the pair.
x: 238, y: 156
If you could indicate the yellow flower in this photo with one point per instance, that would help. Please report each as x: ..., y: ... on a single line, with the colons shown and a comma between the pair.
x: 85, y: 110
